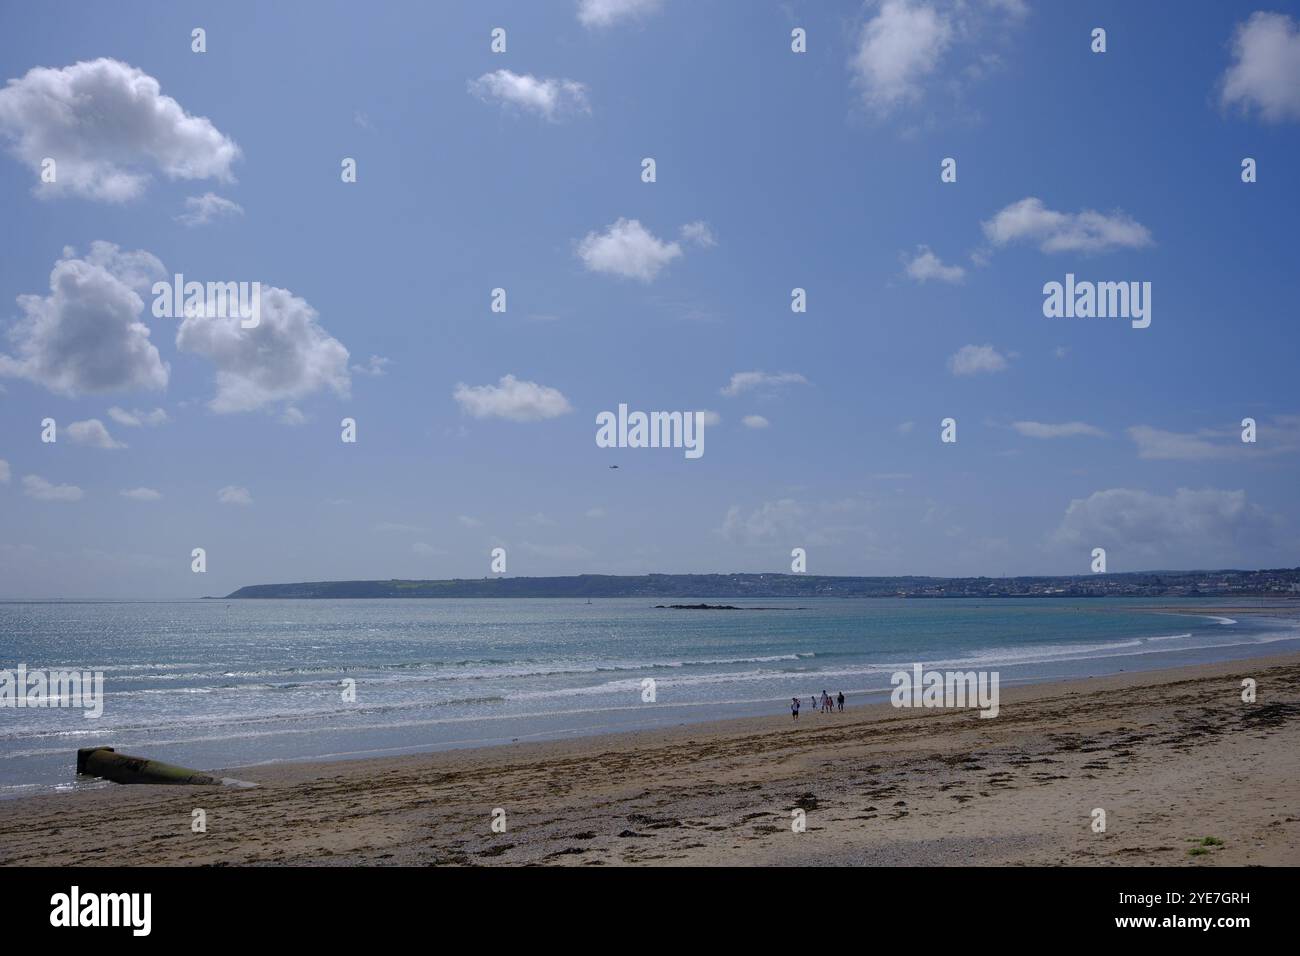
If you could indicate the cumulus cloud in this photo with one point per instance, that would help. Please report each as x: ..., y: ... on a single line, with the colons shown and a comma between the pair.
x: 603, y: 13
x: 897, y: 51
x: 86, y: 335
x: 137, y: 419
x: 550, y: 98
x: 742, y: 382
x: 975, y: 359
x: 107, y: 126
x: 1189, y: 527
x: 234, y: 495
x: 93, y: 433
x: 699, y: 233
x: 34, y: 486
x: 628, y: 250
x: 512, y: 399
x: 1086, y: 231
x: 925, y: 265
x: 754, y: 421
x: 1063, y: 430
x: 1265, y: 71
x: 286, y: 357
x: 201, y: 210
x: 141, y: 494
x: 710, y: 418
x: 376, y: 366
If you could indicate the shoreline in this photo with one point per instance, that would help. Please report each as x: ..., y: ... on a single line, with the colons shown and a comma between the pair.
x: 1174, y: 754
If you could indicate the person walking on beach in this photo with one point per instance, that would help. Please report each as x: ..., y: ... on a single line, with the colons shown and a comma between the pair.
x: 794, y: 707
x: 841, y: 701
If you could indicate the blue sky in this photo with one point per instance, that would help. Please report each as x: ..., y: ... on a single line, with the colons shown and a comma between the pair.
x: 818, y: 170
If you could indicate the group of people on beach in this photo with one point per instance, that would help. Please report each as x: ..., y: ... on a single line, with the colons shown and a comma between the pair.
x: 827, y: 703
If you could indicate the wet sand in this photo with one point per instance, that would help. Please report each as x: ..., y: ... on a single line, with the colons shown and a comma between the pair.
x: 1173, y: 757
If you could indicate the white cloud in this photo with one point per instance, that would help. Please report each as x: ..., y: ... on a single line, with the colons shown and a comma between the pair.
x: 698, y: 233
x: 596, y: 513
x: 136, y: 418
x: 1265, y: 72
x: 1280, y: 435
x: 513, y: 399
x: 1160, y: 445
x: 34, y: 486
x: 742, y: 382
x: 551, y: 98
x: 1063, y: 430
x: 905, y: 428
x: 4, y: 472
x: 376, y: 366
x: 234, y: 495
x: 710, y: 418
x: 421, y: 547
x: 107, y: 125
x: 925, y: 265
x: 627, y: 249
x: 1086, y: 231
x: 201, y: 210
x: 92, y: 432
x: 602, y: 13
x: 975, y: 359
x: 788, y: 521
x: 286, y: 357
x: 292, y: 415
x: 1189, y: 527
x: 86, y: 335
x: 141, y: 494
x: 754, y: 421
x: 897, y: 51
x: 468, y: 521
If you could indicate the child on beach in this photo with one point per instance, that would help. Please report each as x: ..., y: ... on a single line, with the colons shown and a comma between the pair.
x: 841, y: 701
x: 794, y: 707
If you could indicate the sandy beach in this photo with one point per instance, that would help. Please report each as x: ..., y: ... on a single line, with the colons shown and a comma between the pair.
x: 1173, y: 757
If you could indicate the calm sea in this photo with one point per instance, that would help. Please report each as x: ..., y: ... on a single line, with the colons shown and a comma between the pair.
x: 215, y: 684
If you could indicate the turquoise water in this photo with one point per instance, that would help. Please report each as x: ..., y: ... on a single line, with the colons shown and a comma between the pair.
x: 216, y: 684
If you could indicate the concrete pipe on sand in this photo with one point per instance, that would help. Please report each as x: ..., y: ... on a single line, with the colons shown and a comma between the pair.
x: 120, y: 768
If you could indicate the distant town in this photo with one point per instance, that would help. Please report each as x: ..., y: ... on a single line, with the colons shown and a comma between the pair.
x: 1279, y: 583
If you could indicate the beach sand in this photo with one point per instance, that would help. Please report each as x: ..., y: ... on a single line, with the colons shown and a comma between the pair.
x: 1171, y: 756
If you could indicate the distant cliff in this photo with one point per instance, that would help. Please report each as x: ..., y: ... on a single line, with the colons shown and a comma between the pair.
x: 1276, y: 583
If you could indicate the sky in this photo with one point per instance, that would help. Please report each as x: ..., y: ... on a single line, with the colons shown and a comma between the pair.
x: 522, y: 170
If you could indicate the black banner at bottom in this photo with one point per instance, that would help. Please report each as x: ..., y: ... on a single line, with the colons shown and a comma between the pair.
x: 331, y: 904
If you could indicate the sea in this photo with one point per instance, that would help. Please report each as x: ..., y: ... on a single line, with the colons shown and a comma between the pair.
x: 218, y: 684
